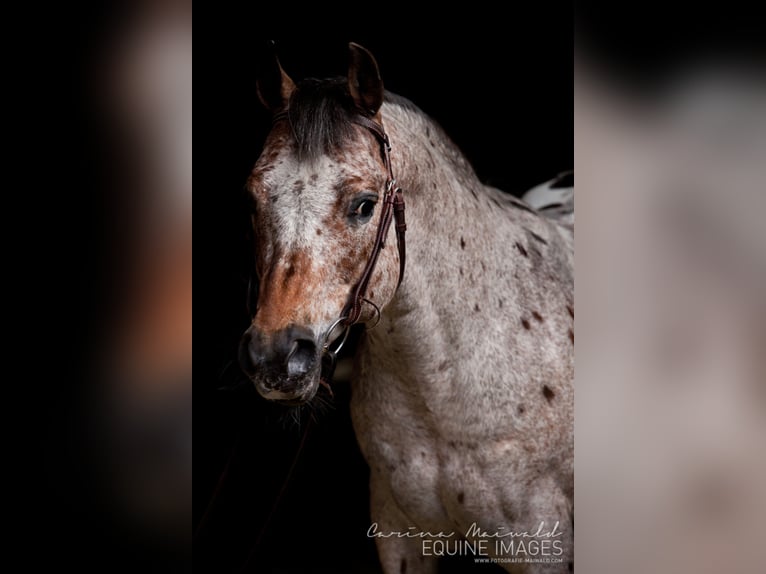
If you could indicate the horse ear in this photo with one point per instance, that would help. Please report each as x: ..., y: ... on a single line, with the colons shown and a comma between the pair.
x: 364, y: 81
x: 274, y: 85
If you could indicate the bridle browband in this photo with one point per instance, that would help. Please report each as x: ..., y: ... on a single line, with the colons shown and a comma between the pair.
x: 393, y: 209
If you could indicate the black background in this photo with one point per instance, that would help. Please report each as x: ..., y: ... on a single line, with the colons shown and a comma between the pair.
x: 504, y: 98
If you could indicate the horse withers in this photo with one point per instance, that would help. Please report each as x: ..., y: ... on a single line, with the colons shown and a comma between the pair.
x: 462, y: 394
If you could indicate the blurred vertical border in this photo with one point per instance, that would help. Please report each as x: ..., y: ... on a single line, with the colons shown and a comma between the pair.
x: 98, y: 330
x: 670, y: 147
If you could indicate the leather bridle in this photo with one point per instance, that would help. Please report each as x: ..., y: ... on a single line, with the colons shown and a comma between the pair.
x: 393, y: 209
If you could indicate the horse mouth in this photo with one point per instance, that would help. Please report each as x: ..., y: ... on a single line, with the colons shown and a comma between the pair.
x: 289, y: 392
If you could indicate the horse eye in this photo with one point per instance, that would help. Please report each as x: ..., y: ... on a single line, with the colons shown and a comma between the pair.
x: 363, y: 210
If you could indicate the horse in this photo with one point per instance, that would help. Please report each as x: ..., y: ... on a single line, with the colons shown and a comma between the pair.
x: 462, y: 395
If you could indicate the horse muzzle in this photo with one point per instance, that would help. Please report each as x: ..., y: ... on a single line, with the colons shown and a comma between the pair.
x: 284, y: 366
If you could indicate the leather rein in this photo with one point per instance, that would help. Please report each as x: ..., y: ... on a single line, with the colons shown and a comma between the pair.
x: 393, y: 209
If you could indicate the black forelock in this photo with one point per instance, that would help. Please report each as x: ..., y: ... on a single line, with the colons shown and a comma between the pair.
x: 320, y: 114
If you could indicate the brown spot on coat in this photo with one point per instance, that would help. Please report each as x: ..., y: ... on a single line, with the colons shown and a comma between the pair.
x: 500, y: 303
x: 537, y: 316
x: 460, y: 497
x: 319, y: 231
x: 520, y: 409
x: 347, y: 267
x: 476, y: 308
x: 267, y: 160
x: 571, y: 336
x: 521, y: 249
x: 571, y: 311
x: 525, y: 322
x: 548, y: 393
x: 462, y: 243
x: 350, y: 184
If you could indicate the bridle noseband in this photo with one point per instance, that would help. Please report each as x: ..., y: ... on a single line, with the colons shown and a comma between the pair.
x: 393, y: 209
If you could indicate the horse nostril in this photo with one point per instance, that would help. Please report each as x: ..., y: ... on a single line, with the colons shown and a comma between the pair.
x: 301, y: 358
x: 279, y: 359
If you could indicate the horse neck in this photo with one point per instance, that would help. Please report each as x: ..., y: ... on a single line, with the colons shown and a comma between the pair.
x: 450, y: 220
x: 427, y: 163
x: 439, y: 184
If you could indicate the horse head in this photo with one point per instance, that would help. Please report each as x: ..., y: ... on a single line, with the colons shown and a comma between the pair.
x: 317, y: 192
